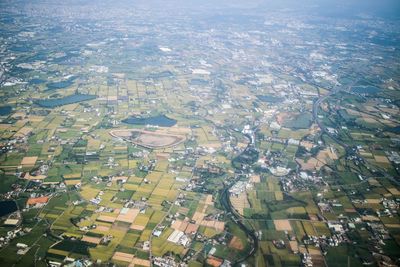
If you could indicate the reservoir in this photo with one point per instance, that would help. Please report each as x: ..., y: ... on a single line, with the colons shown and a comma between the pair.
x: 160, y: 120
x: 7, y: 207
x: 56, y: 102
x: 365, y: 89
x: 60, y: 84
x: 36, y: 81
x: 394, y: 129
x: 5, y: 110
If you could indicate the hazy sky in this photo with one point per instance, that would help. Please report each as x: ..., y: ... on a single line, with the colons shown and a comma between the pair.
x: 348, y: 7
x: 339, y: 8
x: 334, y: 7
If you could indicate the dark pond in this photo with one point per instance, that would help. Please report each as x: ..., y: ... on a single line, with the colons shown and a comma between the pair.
x: 365, y: 89
x: 36, y: 81
x: 270, y: 98
x: 7, y: 207
x: 160, y: 120
x: 394, y: 129
x: 5, y: 110
x: 7, y: 20
x: 61, y: 84
x: 21, y: 49
x: 55, y: 102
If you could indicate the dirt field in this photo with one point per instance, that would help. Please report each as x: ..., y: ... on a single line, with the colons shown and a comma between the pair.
x: 311, y: 164
x: 240, y: 202
x: 154, y: 140
x: 373, y: 201
x: 381, y: 159
x: 24, y: 131
x: 137, y: 227
x: 38, y: 177
x: 105, y: 218
x: 282, y: 225
x: 197, y: 216
x: 394, y: 191
x: 323, y: 157
x: 72, y: 182
x: 120, y: 256
x: 128, y: 216
x: 255, y: 178
x: 139, y: 262
x: 90, y: 239
x: 192, y: 228
x: 294, y: 246
x: 236, y: 243
x: 29, y: 160
x: 103, y: 228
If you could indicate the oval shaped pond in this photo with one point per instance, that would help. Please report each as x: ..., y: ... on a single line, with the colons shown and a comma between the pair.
x: 56, y: 102
x: 160, y: 120
x: 7, y: 207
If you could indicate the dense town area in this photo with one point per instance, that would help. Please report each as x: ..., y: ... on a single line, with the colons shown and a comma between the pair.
x: 194, y: 137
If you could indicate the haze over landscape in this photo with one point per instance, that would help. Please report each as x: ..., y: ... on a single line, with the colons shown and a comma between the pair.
x: 200, y: 133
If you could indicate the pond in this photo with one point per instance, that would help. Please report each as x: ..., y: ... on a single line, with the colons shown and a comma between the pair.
x: 36, y: 81
x: 56, y: 102
x: 369, y: 89
x: 21, y: 49
x: 394, y: 129
x: 160, y: 120
x: 5, y: 110
x: 7, y: 207
x: 60, y: 84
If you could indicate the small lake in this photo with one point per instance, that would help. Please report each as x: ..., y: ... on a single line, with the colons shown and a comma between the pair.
x: 394, y: 129
x: 369, y: 89
x: 56, y: 102
x: 5, y: 110
x: 36, y: 81
x: 7, y: 207
x: 160, y: 120
x: 60, y: 84
x: 21, y: 49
